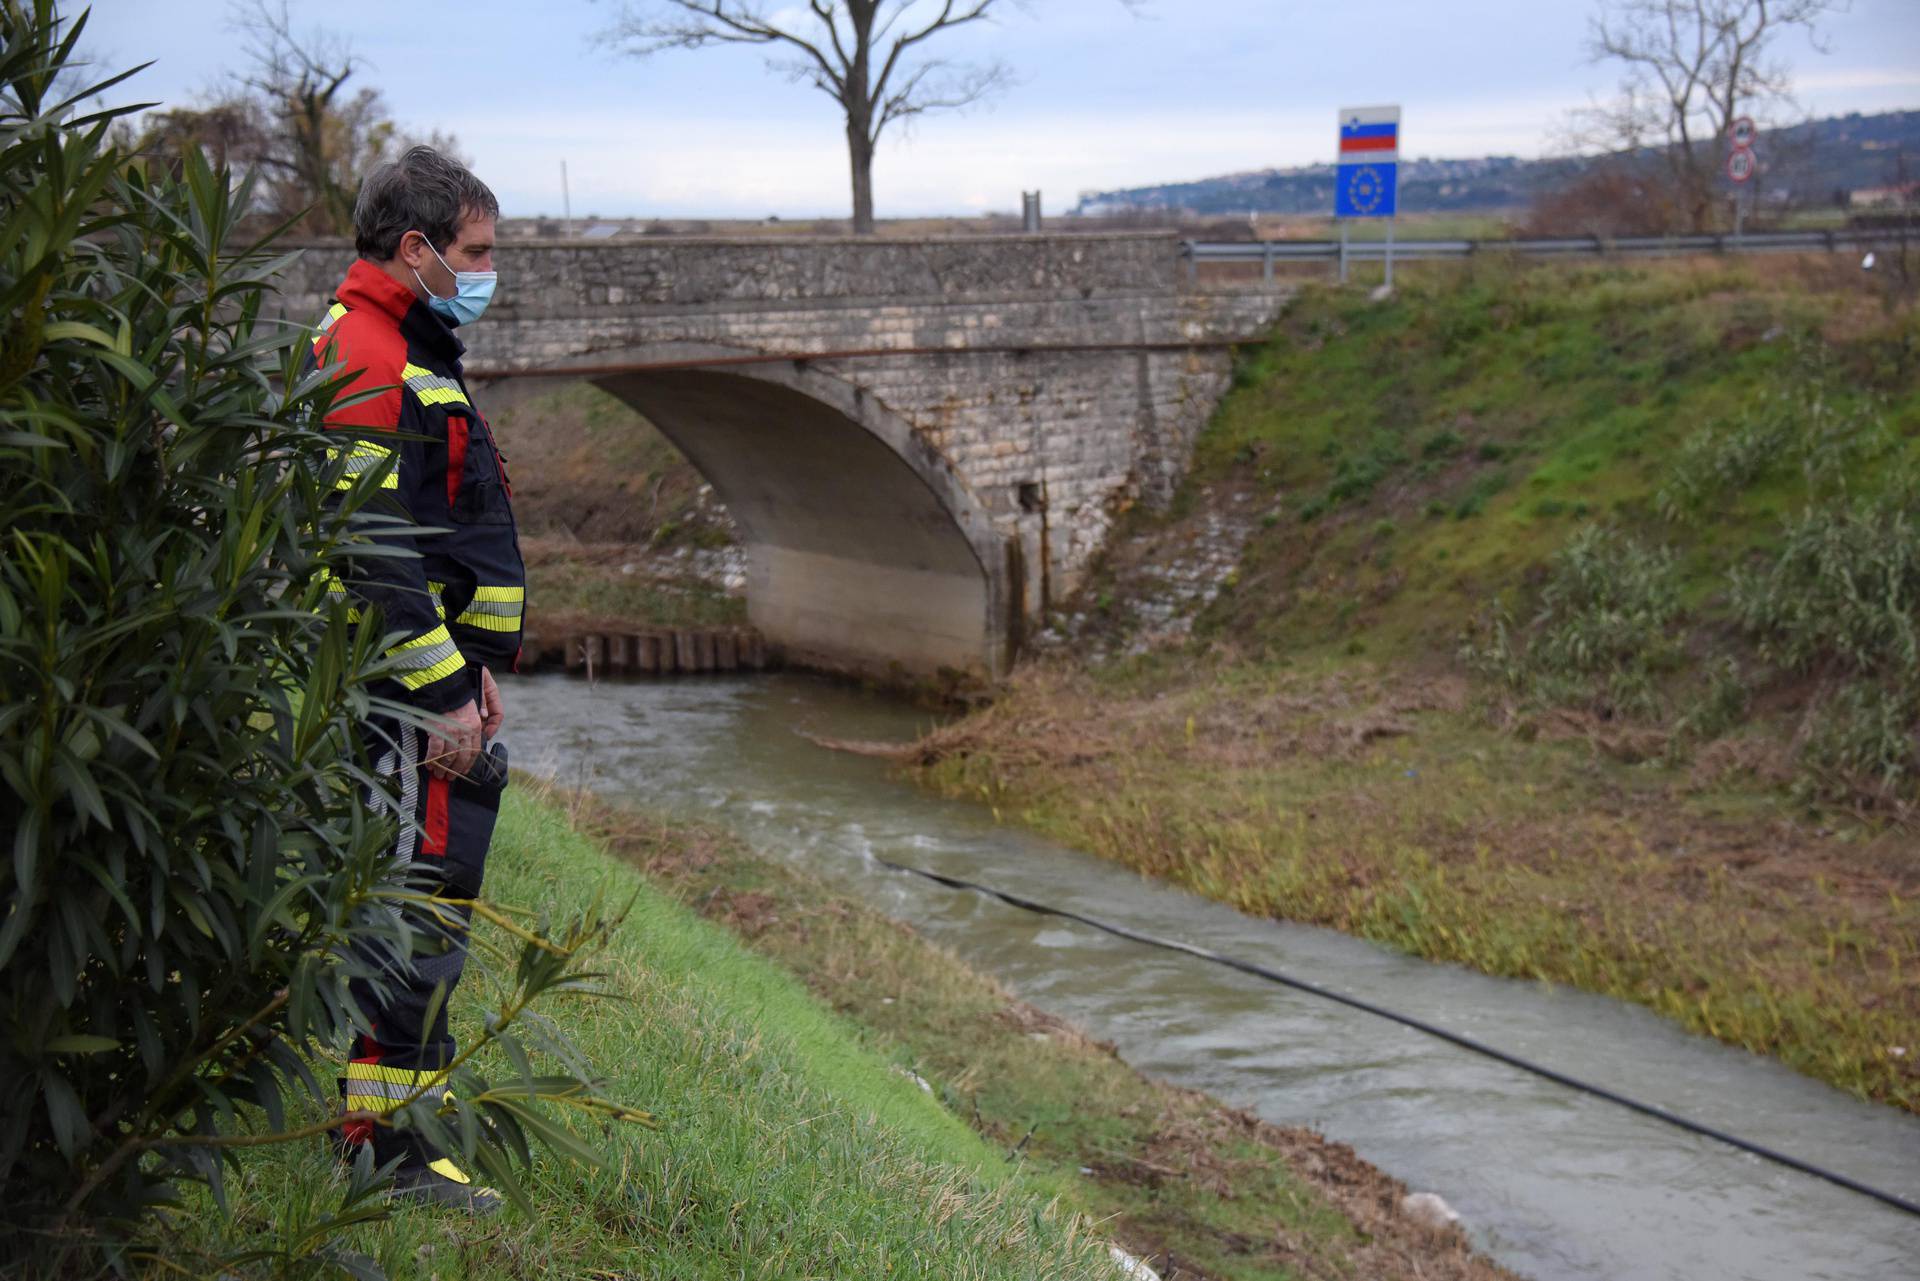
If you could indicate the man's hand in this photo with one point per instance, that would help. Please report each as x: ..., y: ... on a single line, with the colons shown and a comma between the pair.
x: 491, y: 714
x: 453, y: 742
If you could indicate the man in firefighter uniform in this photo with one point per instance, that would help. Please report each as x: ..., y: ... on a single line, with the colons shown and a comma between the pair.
x: 424, y: 229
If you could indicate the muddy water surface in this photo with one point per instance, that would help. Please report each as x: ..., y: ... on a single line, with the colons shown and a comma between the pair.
x: 1551, y: 1183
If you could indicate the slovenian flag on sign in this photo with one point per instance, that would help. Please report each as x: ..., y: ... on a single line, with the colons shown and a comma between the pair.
x: 1359, y: 141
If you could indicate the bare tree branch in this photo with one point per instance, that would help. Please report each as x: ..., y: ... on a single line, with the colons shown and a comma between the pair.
x: 694, y: 25
x: 938, y: 86
x: 947, y: 19
x: 1691, y: 67
x: 292, y: 112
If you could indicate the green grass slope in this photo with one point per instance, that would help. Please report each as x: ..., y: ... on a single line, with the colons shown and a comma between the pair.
x: 788, y: 1149
x: 1677, y: 492
x: 1434, y: 450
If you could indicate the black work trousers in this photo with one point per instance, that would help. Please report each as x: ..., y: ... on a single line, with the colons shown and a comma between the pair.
x: 444, y: 829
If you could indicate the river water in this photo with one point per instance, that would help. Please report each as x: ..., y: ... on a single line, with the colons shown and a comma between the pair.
x: 1552, y: 1183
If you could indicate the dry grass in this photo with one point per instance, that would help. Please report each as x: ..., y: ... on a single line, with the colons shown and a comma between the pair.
x: 576, y: 587
x: 1389, y: 809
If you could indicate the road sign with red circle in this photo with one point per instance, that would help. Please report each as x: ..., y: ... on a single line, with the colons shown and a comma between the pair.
x: 1740, y: 165
x: 1740, y: 133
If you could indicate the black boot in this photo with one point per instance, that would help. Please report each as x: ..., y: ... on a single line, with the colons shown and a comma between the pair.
x: 421, y: 1174
x: 437, y: 1180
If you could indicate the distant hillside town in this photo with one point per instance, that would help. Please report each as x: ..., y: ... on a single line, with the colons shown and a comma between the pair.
x: 1856, y: 161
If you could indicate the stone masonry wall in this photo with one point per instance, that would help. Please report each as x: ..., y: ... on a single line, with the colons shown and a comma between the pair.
x: 1091, y: 431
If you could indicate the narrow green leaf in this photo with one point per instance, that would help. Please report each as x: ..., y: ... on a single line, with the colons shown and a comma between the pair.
x: 81, y: 1043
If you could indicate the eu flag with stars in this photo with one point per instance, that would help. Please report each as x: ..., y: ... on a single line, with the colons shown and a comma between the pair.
x: 1366, y: 190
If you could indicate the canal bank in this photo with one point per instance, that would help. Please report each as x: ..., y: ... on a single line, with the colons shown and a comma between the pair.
x: 1551, y: 1185
x: 1192, y: 1188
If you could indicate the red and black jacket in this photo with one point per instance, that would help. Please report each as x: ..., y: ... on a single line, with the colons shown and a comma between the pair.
x: 460, y: 601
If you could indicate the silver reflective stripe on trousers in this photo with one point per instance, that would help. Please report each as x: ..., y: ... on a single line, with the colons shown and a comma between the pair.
x: 409, y: 792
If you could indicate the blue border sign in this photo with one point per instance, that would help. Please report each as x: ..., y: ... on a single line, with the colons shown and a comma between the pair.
x: 1366, y: 191
x: 1368, y: 182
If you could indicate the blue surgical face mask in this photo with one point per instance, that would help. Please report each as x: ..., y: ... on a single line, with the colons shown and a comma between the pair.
x: 472, y: 291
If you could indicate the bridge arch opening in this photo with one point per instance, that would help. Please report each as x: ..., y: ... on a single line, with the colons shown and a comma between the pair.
x: 865, y: 551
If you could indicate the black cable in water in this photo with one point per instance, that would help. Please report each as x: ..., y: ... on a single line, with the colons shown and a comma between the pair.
x: 1419, y: 1025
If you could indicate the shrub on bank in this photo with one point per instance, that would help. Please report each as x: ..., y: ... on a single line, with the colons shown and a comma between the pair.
x: 1840, y: 602
x: 190, y: 866
x: 1603, y: 633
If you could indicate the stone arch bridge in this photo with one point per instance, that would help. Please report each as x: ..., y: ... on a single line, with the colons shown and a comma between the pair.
x: 922, y: 442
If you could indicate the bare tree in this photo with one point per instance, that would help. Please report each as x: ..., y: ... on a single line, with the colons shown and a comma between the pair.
x: 1614, y: 197
x: 864, y: 54
x: 1691, y: 68
x: 291, y: 114
x: 323, y: 137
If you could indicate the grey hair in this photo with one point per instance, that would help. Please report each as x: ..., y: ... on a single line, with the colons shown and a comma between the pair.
x: 422, y: 191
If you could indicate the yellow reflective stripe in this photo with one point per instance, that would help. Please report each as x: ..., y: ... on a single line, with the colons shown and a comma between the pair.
x: 438, y: 672
x: 337, y: 588
x: 367, y: 449
x: 333, y: 316
x: 448, y: 1170
x: 489, y: 622
x: 334, y: 587
x: 495, y: 609
x: 363, y: 456
x: 431, y: 388
x: 426, y: 640
x: 397, y: 1076
x: 389, y: 481
x: 393, y: 1090
x: 373, y: 1088
x: 428, y: 658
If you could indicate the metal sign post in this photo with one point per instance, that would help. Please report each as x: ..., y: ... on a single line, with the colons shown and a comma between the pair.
x: 1740, y: 163
x: 1368, y: 182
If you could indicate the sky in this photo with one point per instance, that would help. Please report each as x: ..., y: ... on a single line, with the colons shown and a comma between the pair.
x: 1104, y: 96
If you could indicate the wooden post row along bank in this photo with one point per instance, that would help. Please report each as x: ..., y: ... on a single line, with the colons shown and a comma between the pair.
x: 653, y: 651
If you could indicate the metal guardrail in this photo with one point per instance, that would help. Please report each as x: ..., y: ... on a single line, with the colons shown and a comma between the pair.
x: 1269, y: 252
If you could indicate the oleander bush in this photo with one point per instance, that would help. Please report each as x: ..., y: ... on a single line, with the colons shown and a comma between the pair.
x: 189, y: 865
